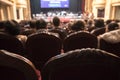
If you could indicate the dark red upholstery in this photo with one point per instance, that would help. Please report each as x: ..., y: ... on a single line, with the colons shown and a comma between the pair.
x: 62, y: 33
x: 79, y: 40
x: 82, y: 64
x: 12, y: 44
x: 16, y: 67
x: 27, y: 32
x: 98, y: 31
x: 42, y: 46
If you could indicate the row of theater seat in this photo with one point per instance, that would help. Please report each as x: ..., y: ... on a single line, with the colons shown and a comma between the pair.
x: 80, y: 64
x: 40, y: 47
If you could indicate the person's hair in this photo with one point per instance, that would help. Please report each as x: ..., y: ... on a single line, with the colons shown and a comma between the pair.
x: 23, y: 23
x: 90, y: 22
x: 108, y: 21
x: 12, y: 27
x: 56, y: 21
x: 112, y: 26
x: 78, y: 25
x: 2, y: 24
x: 86, y: 21
x: 99, y: 23
x: 32, y: 24
x: 117, y: 20
x: 41, y: 24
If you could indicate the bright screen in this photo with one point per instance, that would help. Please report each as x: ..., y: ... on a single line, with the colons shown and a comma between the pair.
x: 54, y: 3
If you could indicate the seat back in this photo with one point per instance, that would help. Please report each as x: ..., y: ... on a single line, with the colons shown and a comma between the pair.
x: 61, y: 32
x: 99, y: 31
x: 10, y: 43
x: 16, y: 67
x: 82, y: 64
x: 79, y: 40
x: 42, y: 46
x: 110, y: 47
x: 27, y: 32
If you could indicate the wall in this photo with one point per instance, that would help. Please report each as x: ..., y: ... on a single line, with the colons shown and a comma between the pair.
x: 9, y: 8
x: 111, y: 7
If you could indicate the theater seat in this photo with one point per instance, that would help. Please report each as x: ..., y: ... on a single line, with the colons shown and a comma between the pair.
x: 16, y: 67
x: 79, y: 40
x: 62, y: 33
x: 12, y: 44
x: 27, y: 32
x: 83, y: 64
x: 41, y: 46
x: 98, y: 31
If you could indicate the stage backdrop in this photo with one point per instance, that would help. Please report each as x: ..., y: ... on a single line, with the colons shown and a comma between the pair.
x: 74, y: 6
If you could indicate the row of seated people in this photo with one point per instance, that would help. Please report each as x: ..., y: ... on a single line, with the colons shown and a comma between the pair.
x: 96, y: 27
x: 79, y: 64
x: 41, y: 45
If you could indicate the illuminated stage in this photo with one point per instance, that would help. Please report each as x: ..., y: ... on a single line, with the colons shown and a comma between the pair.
x: 62, y: 18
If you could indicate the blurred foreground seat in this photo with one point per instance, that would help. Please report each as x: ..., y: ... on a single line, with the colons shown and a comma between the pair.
x: 83, y: 64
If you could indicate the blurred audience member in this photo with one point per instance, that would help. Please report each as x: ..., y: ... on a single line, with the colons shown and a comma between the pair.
x: 13, y: 28
x: 41, y: 25
x: 112, y: 26
x: 58, y: 29
x: 99, y: 27
x: 90, y: 25
x: 2, y: 26
x: 78, y: 26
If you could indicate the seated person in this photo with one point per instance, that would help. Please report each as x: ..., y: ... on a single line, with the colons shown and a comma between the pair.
x: 13, y: 28
x: 78, y: 26
x: 57, y: 28
x: 112, y: 26
x: 41, y: 25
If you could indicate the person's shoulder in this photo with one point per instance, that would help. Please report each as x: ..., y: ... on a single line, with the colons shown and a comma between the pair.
x: 21, y: 37
x: 112, y: 36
